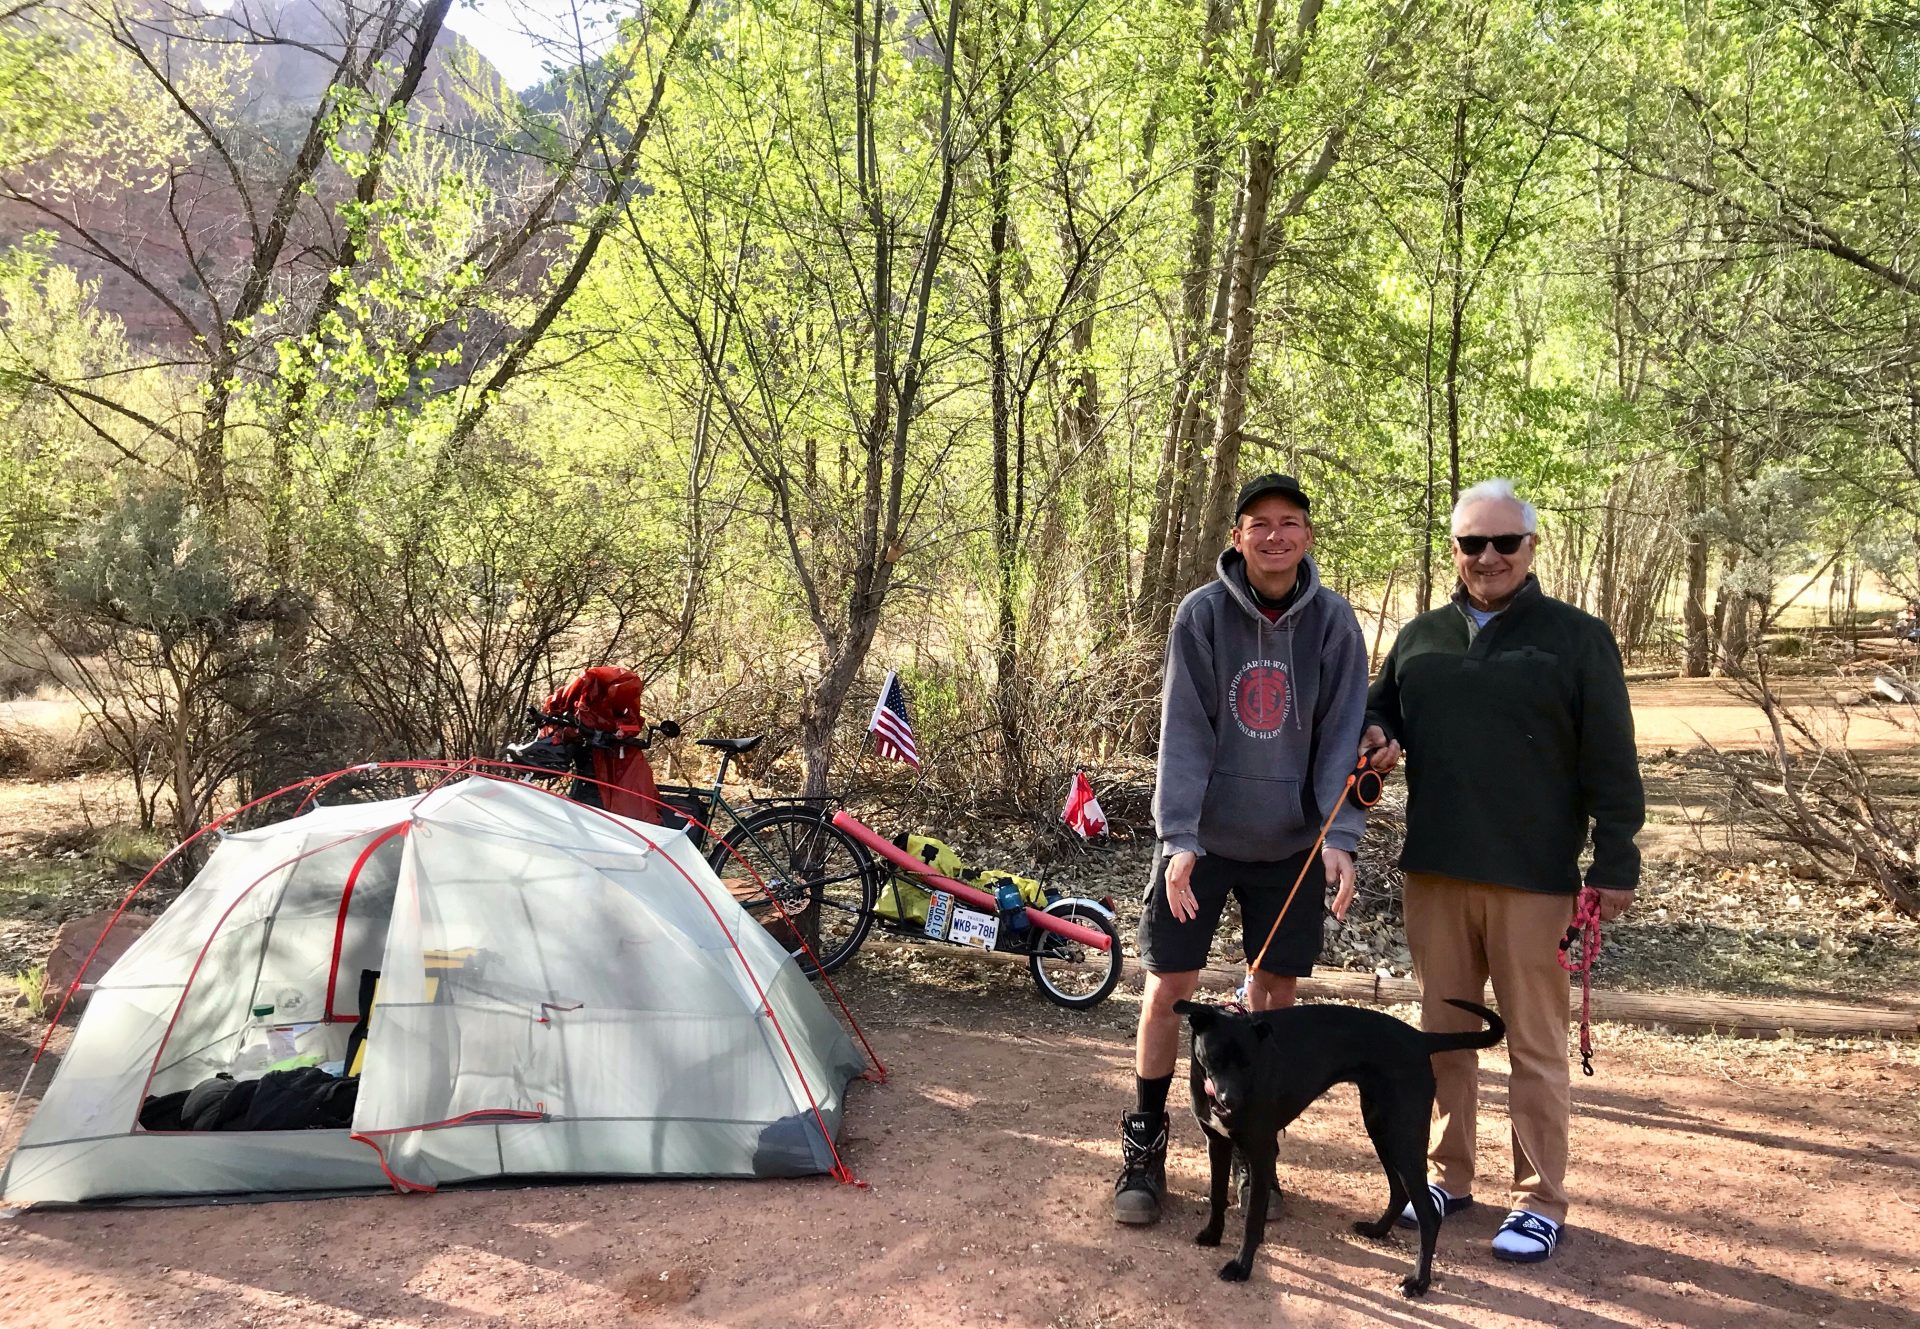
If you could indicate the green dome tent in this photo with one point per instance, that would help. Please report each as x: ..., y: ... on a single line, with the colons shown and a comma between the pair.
x: 553, y: 991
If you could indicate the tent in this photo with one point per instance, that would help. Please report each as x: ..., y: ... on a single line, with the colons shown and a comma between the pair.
x: 559, y: 991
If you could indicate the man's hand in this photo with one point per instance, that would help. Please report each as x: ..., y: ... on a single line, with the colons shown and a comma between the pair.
x: 1179, y: 887
x: 1339, y: 866
x: 1613, y: 903
x: 1384, y: 752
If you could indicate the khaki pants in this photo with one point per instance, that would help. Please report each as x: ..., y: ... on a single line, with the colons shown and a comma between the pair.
x: 1461, y: 934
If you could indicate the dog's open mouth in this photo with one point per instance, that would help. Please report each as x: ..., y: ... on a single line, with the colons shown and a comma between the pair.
x: 1220, y: 1109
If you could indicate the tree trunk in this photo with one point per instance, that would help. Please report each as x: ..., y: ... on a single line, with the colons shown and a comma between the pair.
x: 1423, y: 596
x: 1457, y: 290
x: 1193, y: 341
x: 1380, y: 623
x: 1727, y: 607
x: 1607, y: 565
x: 1236, y: 362
x: 1179, y: 570
x: 1736, y: 631
x: 1006, y: 479
x: 896, y: 393
x: 1248, y: 264
x: 820, y: 711
x: 1084, y: 436
x: 1852, y: 610
x: 1693, y: 611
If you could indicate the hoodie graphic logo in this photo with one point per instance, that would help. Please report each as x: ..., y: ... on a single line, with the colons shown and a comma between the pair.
x: 1261, y: 696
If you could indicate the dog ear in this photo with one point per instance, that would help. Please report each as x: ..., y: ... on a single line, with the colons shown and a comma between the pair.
x: 1200, y: 1014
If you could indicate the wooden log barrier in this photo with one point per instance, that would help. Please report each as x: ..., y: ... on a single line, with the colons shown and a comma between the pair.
x: 1752, y: 1017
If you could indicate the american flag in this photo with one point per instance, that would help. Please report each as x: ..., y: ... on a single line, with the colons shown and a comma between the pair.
x: 893, y: 736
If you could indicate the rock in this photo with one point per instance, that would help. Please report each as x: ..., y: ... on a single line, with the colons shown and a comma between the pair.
x: 1849, y: 698
x: 75, y: 938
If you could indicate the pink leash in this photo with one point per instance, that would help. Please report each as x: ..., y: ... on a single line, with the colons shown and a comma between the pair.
x: 1585, y: 930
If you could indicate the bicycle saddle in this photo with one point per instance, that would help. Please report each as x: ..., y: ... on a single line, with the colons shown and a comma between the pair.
x: 733, y: 745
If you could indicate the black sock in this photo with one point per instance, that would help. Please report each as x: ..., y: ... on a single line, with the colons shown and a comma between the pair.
x: 1151, y: 1095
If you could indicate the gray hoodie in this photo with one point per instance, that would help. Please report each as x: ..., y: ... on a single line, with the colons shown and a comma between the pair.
x: 1259, y: 722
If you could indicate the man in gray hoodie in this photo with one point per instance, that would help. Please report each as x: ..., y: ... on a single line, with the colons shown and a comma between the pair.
x: 1261, y: 711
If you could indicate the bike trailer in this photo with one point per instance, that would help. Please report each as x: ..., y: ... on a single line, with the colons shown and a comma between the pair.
x: 905, y: 900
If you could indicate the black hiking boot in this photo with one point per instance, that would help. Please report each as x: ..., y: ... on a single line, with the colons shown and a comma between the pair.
x: 1143, y: 1172
x: 1243, y: 1183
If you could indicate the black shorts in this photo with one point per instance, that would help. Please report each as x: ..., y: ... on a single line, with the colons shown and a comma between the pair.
x: 1168, y: 946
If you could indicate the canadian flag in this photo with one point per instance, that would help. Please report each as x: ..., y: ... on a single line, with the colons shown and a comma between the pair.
x: 1083, y: 809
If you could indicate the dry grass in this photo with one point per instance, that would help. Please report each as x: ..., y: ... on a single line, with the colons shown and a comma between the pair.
x: 30, y: 664
x: 45, y: 735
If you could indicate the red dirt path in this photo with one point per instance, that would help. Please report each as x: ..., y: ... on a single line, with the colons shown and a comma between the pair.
x: 1680, y: 712
x: 1718, y: 1184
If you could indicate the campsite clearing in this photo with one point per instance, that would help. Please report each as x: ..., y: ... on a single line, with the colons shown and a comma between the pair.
x: 1718, y: 1183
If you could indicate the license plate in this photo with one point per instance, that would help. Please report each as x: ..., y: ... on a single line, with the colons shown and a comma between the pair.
x: 972, y: 929
x: 939, y: 910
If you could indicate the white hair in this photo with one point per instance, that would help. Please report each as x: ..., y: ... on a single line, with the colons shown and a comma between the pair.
x: 1492, y: 489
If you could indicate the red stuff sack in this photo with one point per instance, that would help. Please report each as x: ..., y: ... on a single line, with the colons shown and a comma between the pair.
x: 606, y: 700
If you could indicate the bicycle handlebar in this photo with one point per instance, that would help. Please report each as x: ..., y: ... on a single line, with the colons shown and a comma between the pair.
x: 606, y: 738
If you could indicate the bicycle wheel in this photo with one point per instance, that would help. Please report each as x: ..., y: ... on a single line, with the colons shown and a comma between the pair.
x: 1072, y: 973
x: 824, y: 880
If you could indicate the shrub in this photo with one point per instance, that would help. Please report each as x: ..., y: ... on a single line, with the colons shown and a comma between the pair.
x: 169, y: 636
x: 16, y: 756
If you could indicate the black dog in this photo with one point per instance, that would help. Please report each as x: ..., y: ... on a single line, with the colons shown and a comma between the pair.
x: 1253, y: 1074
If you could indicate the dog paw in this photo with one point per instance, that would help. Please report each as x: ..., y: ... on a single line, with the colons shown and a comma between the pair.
x: 1410, y: 1286
x: 1233, y: 1271
x: 1207, y: 1236
x: 1374, y: 1230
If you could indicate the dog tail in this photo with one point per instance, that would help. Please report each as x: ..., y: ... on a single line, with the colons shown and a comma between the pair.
x: 1480, y: 1038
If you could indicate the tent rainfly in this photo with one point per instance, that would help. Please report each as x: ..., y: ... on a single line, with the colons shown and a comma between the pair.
x: 559, y: 992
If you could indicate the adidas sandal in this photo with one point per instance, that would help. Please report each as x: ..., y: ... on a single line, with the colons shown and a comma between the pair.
x: 1448, y: 1205
x: 1526, y: 1238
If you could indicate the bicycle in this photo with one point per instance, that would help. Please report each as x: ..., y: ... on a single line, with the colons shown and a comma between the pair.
x: 826, y: 882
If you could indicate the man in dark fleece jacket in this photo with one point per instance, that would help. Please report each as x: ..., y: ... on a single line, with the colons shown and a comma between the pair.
x: 1513, y: 710
x: 1262, y: 705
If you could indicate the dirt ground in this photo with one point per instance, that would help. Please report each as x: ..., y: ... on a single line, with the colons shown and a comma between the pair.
x: 1717, y: 1182
x: 1681, y: 712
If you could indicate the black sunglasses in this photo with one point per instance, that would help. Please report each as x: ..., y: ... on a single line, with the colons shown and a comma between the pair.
x: 1472, y: 545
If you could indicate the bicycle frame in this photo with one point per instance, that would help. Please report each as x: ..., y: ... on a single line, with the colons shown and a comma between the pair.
x: 713, y: 800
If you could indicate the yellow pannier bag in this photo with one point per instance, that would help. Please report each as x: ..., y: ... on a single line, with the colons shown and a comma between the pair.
x: 904, y: 899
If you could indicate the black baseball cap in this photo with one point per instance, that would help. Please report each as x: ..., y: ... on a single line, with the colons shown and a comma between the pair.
x: 1271, y: 483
